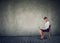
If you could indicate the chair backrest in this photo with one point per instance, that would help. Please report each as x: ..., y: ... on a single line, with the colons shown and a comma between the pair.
x: 49, y: 26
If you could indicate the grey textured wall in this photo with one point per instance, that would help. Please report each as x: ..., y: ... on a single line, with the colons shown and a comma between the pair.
x: 19, y: 18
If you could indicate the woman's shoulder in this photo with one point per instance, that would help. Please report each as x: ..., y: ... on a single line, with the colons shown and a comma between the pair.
x: 48, y: 22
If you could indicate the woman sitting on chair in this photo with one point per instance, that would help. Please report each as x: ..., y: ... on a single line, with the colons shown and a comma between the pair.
x: 46, y: 28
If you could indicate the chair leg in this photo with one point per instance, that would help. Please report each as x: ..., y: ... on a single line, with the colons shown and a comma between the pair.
x: 49, y: 35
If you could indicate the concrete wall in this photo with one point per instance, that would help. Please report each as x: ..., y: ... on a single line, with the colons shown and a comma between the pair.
x: 19, y: 18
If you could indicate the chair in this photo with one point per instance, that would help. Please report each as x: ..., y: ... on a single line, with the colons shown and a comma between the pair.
x: 49, y: 29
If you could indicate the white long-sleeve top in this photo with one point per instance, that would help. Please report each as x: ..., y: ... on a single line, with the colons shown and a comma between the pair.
x: 47, y: 24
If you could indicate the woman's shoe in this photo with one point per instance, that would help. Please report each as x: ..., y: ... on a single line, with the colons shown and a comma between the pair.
x: 42, y: 37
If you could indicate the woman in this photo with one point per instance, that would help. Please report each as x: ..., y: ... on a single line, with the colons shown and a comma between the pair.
x: 46, y: 28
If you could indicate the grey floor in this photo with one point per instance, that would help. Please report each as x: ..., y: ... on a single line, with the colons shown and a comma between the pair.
x: 29, y: 39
